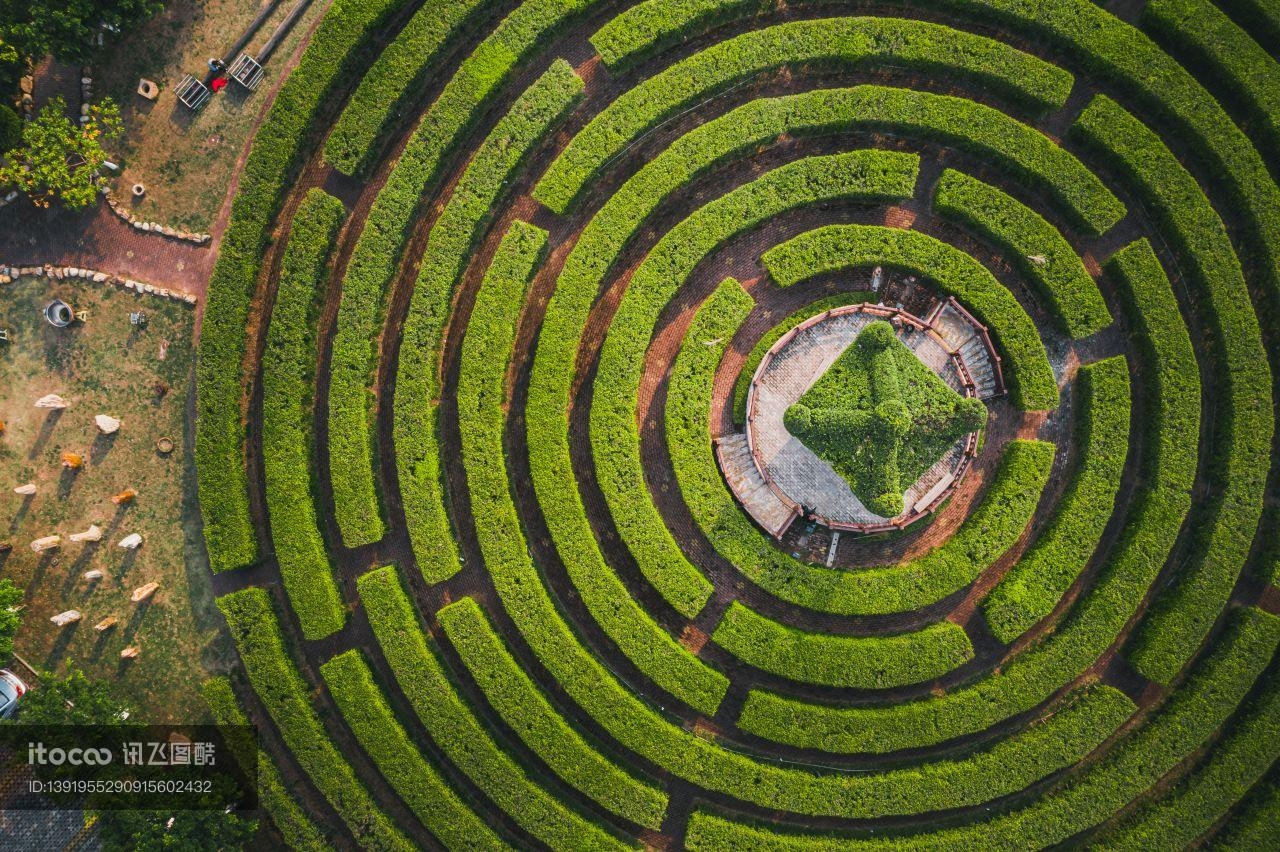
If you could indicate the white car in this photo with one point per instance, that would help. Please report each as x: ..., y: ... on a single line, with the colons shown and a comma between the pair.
x: 11, y: 691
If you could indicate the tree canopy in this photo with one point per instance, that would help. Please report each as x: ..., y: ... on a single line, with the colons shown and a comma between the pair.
x: 68, y: 28
x: 10, y: 615
x: 73, y: 699
x: 58, y: 160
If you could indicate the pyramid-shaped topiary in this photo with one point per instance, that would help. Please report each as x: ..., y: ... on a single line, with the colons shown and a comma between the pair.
x: 881, y: 418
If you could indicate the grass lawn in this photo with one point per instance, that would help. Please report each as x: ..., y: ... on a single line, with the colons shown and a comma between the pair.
x: 105, y: 366
x: 186, y: 159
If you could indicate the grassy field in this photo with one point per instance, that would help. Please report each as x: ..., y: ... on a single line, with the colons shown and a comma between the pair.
x: 186, y: 159
x: 105, y: 366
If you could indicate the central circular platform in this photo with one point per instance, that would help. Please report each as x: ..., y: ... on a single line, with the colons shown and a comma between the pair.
x: 779, y: 476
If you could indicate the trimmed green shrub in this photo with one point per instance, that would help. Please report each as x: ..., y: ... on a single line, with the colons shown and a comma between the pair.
x: 1254, y: 826
x: 523, y: 706
x: 1186, y: 721
x: 401, y: 68
x: 1004, y: 768
x: 1036, y: 582
x: 1181, y: 615
x: 836, y: 247
x: 287, y: 815
x: 288, y: 364
x: 615, y: 435
x: 455, y: 729
x: 866, y: 662
x: 448, y: 252
x: 1191, y: 809
x: 1172, y: 414
x: 284, y: 693
x: 749, y: 367
x: 850, y: 41
x: 647, y: 27
x: 481, y: 380
x: 1036, y: 246
x: 374, y: 261
x: 399, y: 759
x: 220, y: 463
x: 10, y: 129
x: 1214, y: 42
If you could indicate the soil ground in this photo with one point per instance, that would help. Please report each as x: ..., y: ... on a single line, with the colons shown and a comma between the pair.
x: 186, y: 160
x: 106, y: 366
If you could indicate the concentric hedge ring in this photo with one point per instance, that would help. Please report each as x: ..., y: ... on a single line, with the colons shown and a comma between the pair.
x: 489, y: 479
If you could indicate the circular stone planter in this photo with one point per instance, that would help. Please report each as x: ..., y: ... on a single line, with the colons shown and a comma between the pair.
x: 139, y: 190
x: 164, y: 446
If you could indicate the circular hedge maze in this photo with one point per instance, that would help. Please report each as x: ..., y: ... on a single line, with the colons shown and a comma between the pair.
x: 476, y: 361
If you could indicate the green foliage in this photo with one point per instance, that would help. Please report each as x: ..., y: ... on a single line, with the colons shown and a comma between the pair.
x: 837, y: 247
x: 1239, y: 456
x: 399, y: 70
x: 10, y: 615
x: 294, y: 825
x: 11, y: 128
x: 399, y: 759
x: 841, y: 43
x: 1172, y: 403
x: 252, y: 621
x: 749, y: 367
x: 881, y: 418
x: 72, y: 699
x: 1007, y: 766
x: 1183, y: 724
x: 648, y: 27
x: 374, y: 261
x: 517, y: 699
x: 448, y: 252
x: 615, y: 436
x: 1036, y: 582
x: 57, y: 159
x: 220, y: 464
x: 455, y: 729
x: 1031, y: 243
x: 197, y: 831
x: 288, y: 362
x: 864, y: 662
x: 482, y: 379
x: 1255, y: 825
x: 68, y: 28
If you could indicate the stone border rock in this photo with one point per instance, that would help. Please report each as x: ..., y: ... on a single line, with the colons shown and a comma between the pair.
x: 9, y: 273
x: 152, y: 227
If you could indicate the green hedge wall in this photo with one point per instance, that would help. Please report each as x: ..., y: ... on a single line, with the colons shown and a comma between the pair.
x: 845, y: 42
x: 1185, y: 722
x: 1172, y: 416
x: 528, y: 712
x: 482, y: 379
x: 1182, y: 614
x: 402, y: 67
x: 448, y: 252
x: 374, y: 261
x: 836, y: 247
x: 864, y: 662
x: 615, y: 437
x: 399, y: 759
x: 297, y: 829
x: 1021, y: 234
x: 646, y: 28
x: 455, y: 729
x: 220, y: 463
x: 1033, y: 586
x: 288, y: 367
x: 284, y: 693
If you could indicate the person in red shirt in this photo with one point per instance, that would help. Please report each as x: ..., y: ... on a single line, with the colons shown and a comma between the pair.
x: 218, y: 84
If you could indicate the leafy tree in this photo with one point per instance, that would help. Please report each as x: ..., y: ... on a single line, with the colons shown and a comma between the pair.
x: 10, y: 615
x: 198, y: 831
x: 70, y: 700
x: 58, y: 159
x: 68, y: 28
x: 10, y: 129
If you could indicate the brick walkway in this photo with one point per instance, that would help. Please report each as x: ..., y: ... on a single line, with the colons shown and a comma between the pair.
x: 98, y: 239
